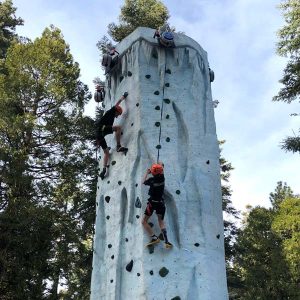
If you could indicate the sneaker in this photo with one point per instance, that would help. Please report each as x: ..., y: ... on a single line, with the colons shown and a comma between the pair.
x: 154, y: 241
x: 168, y: 245
x: 121, y: 149
x: 103, y: 173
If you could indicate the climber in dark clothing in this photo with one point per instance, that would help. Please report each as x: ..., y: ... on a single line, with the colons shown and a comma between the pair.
x: 155, y: 203
x: 104, y: 127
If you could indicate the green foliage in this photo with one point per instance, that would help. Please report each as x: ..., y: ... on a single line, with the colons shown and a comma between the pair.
x: 8, y: 23
x: 287, y: 225
x: 282, y: 191
x: 48, y: 177
x: 138, y: 13
x: 260, y: 261
x: 289, y: 46
x: 261, y: 269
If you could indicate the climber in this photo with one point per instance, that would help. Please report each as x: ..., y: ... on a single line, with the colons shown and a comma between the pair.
x: 155, y: 203
x: 104, y: 127
x: 99, y: 93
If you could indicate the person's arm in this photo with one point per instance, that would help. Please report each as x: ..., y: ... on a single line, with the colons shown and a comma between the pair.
x: 146, y: 175
x: 124, y: 96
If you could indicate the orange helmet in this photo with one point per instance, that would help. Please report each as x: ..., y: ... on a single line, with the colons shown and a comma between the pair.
x: 156, y: 169
x: 119, y: 109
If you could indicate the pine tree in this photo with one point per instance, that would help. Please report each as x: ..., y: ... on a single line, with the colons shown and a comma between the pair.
x: 8, y: 25
x: 289, y: 46
x: 47, y: 171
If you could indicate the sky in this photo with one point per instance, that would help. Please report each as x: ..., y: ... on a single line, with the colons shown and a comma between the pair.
x: 240, y: 38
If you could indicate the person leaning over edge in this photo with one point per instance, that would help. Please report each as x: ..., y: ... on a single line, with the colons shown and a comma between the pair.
x: 104, y: 127
x: 155, y: 203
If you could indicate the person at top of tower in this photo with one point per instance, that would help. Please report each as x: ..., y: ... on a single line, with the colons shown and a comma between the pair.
x: 155, y: 203
x: 105, y: 126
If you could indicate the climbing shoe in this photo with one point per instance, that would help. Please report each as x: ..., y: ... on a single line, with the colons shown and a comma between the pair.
x: 122, y: 149
x: 154, y: 241
x: 168, y: 245
x: 103, y: 173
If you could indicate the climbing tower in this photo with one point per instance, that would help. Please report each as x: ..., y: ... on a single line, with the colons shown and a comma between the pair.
x: 168, y: 116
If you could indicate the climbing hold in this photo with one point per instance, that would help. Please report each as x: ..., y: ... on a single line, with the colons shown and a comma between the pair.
x: 109, y: 246
x: 151, y: 272
x: 136, y: 184
x: 176, y: 298
x: 163, y: 272
x: 217, y: 236
x: 207, y: 162
x: 129, y: 266
x: 113, y: 162
x: 148, y: 76
x: 138, y: 274
x: 157, y: 124
x: 119, y: 182
x: 167, y: 116
x: 131, y: 124
x: 156, y: 93
x: 158, y: 147
x: 121, y: 132
x: 161, y: 237
x: 137, y: 216
x: 167, y: 139
x: 129, y: 73
x: 126, y: 240
x: 107, y: 199
x: 197, y: 244
x: 112, y: 257
x: 151, y: 224
x: 157, y: 107
x: 107, y: 217
x: 97, y: 203
x: 121, y: 78
x: 137, y: 104
x: 108, y: 182
x: 111, y: 281
x: 138, y: 203
x: 167, y: 101
x: 151, y: 249
x: 211, y: 75
x: 168, y: 71
x: 167, y: 84
x: 177, y: 192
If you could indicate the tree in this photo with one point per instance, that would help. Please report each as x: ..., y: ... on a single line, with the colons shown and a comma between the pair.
x: 230, y: 215
x: 48, y: 173
x: 287, y: 224
x: 259, y: 259
x: 8, y: 25
x: 289, y: 46
x: 282, y: 191
x: 135, y: 13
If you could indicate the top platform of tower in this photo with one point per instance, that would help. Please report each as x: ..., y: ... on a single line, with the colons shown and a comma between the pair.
x: 144, y: 33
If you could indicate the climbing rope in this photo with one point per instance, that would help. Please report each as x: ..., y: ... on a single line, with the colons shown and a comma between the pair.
x: 161, y: 112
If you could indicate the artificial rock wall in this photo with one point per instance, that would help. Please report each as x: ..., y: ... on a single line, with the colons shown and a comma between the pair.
x: 169, y: 116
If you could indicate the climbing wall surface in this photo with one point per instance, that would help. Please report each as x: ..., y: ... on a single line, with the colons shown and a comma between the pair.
x: 168, y: 113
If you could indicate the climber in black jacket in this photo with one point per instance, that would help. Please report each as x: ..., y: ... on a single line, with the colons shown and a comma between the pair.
x: 104, y: 127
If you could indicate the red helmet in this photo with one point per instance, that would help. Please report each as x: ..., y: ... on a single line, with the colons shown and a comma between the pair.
x: 156, y: 169
x: 119, y: 109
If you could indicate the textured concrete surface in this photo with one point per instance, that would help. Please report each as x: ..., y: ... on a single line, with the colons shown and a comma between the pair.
x: 168, y: 113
